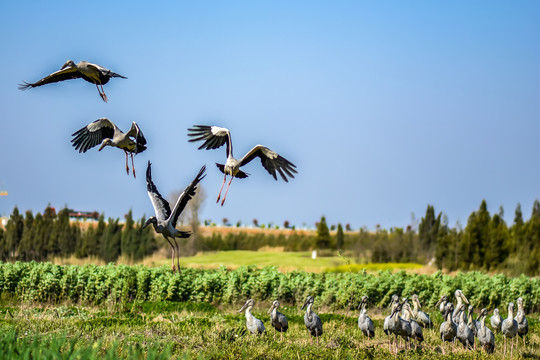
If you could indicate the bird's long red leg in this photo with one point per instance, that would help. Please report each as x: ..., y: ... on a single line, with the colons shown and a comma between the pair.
x: 219, y: 195
x: 133, y: 165
x: 170, y: 243
x: 104, y: 96
x: 226, y: 191
x: 177, y: 255
x: 127, y: 167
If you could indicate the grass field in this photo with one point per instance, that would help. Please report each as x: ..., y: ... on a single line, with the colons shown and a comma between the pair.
x: 284, y: 261
x: 167, y: 330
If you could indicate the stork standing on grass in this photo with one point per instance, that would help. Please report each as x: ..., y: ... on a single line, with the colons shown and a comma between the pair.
x: 523, y: 324
x: 311, y: 320
x: 460, y: 297
x: 92, y: 73
x: 485, y: 335
x: 421, y: 317
x: 214, y: 137
x: 509, y: 328
x: 496, y: 321
x: 278, y: 320
x: 365, y: 324
x: 254, y: 325
x: 103, y: 131
x: 165, y: 220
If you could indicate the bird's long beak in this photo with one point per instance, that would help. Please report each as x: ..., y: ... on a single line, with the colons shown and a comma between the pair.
x: 103, y: 144
x: 146, y: 223
x: 440, y: 301
x: 271, y: 308
x: 418, y: 302
x: 464, y: 298
x: 305, y: 304
x: 243, y: 307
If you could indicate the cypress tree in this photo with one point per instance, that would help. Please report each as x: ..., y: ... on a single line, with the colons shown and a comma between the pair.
x: 340, y: 238
x: 323, y: 234
x: 13, y: 233
x: 26, y: 247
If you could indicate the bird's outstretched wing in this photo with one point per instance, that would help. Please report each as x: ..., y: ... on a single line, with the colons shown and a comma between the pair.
x: 213, y: 136
x: 66, y: 73
x: 104, y: 71
x: 161, y: 206
x: 187, y: 194
x: 271, y: 161
x: 140, y: 140
x: 93, y: 134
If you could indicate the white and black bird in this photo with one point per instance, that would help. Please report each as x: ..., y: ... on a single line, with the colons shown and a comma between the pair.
x: 509, y: 328
x: 402, y: 327
x: 389, y: 324
x: 442, y: 304
x: 365, y: 324
x: 419, y: 316
x: 461, y: 298
x: 311, y: 320
x: 278, y: 320
x: 496, y: 320
x: 214, y: 137
x: 523, y: 324
x: 448, y: 328
x: 254, y: 325
x: 103, y: 131
x: 92, y: 73
x: 417, y: 332
x: 485, y: 336
x: 165, y: 220
x: 464, y: 333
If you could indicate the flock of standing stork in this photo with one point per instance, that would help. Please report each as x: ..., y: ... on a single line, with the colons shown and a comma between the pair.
x: 408, y: 322
x: 104, y: 132
x: 404, y: 321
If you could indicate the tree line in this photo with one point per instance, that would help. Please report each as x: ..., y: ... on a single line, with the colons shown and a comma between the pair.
x: 43, y: 236
x: 486, y: 243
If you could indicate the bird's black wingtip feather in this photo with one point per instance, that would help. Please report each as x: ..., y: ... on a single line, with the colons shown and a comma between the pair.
x: 24, y: 86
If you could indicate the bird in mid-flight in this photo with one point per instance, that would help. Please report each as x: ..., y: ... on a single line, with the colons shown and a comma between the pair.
x: 214, y: 137
x: 92, y: 73
x: 103, y: 131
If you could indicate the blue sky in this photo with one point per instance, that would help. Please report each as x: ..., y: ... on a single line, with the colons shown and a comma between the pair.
x: 384, y: 106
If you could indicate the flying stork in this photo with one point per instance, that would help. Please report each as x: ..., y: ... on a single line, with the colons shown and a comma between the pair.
x: 214, y: 137
x: 92, y: 73
x: 104, y: 131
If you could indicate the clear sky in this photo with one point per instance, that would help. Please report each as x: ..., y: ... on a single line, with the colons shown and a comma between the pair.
x: 384, y: 106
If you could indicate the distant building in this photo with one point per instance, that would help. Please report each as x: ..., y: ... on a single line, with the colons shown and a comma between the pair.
x: 83, y: 215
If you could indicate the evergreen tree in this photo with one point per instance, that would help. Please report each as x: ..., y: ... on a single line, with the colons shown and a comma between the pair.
x: 530, y: 249
x: 129, y: 240
x: 110, y: 245
x: 63, y: 234
x: 46, y: 232
x: 26, y: 247
x: 13, y: 233
x: 496, y: 251
x: 340, y: 238
x: 40, y: 242
x: 428, y: 230
x: 476, y: 238
x: 323, y: 235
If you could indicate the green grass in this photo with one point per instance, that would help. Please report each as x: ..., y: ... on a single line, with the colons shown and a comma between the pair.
x: 285, y: 261
x: 376, y: 267
x: 167, y: 330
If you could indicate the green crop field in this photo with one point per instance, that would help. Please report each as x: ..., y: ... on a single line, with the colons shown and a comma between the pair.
x: 53, y: 311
